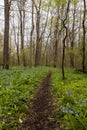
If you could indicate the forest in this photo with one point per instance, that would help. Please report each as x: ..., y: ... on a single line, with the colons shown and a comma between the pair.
x: 43, y: 65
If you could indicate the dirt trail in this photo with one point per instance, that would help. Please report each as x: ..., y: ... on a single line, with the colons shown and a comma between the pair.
x: 42, y: 114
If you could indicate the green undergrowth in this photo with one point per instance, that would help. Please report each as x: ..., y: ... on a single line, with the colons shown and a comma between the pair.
x: 17, y: 87
x: 70, y: 97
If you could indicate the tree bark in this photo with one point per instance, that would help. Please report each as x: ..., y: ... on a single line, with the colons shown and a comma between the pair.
x: 56, y: 40
x: 84, y: 32
x: 37, y: 55
x: 55, y: 48
x: 22, y: 17
x: 64, y: 39
x: 37, y: 40
x: 31, y: 36
x: 17, y: 47
x: 6, y: 35
x: 21, y: 7
x: 72, y: 40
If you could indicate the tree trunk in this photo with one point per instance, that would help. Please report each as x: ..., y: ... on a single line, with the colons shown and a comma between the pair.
x: 16, y: 39
x: 72, y: 39
x: 22, y: 16
x: 17, y: 46
x: 21, y: 7
x: 37, y: 56
x: 64, y: 39
x: 55, y: 48
x: 31, y: 36
x: 63, y: 55
x: 6, y: 36
x: 84, y: 32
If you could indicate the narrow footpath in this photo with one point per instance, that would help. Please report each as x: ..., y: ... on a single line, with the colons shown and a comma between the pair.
x: 42, y: 110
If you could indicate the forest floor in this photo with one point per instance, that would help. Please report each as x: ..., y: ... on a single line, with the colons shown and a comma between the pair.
x: 28, y: 101
x: 42, y: 109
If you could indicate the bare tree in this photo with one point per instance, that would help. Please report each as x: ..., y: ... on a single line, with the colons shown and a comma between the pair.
x: 73, y: 38
x: 56, y: 32
x: 31, y: 35
x: 39, y: 33
x: 84, y: 37
x: 7, y: 5
x: 16, y: 40
x: 21, y: 7
x: 64, y: 39
x: 38, y: 9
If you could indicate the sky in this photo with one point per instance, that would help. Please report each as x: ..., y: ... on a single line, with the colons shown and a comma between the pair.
x: 1, y: 15
x: 1, y: 2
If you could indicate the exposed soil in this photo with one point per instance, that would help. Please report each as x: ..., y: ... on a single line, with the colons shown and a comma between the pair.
x: 42, y: 110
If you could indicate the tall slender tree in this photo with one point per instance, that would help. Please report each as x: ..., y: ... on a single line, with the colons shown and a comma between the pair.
x: 38, y: 15
x: 84, y: 36
x: 7, y: 5
x: 56, y: 32
x: 64, y: 39
x: 73, y: 38
x: 21, y: 7
x: 31, y: 35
